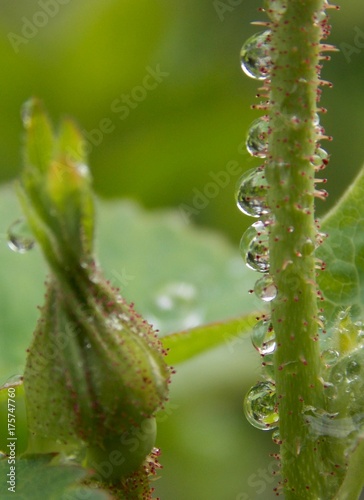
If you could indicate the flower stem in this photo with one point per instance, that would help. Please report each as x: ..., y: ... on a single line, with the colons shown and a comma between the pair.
x: 294, y: 84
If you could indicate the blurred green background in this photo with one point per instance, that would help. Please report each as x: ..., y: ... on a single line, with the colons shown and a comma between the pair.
x: 83, y: 56
x: 158, y: 90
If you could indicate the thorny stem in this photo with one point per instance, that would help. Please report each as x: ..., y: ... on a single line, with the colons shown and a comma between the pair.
x: 294, y: 82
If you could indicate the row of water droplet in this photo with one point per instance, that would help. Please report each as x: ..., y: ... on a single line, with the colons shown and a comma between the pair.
x: 251, y: 197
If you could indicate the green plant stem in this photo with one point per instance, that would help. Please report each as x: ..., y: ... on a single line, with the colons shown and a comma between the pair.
x: 290, y: 174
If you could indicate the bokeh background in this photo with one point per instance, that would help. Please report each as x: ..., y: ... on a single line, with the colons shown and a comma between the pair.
x: 158, y: 90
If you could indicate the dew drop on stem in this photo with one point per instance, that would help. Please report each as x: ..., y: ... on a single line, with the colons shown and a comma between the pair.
x: 255, y: 57
x: 254, y: 247
x: 265, y: 289
x: 19, y: 237
x: 319, y: 159
x: 257, y: 138
x: 263, y: 337
x: 251, y: 193
x: 260, y: 406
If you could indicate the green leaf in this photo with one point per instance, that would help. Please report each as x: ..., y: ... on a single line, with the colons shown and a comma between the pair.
x: 342, y: 283
x: 177, y: 275
x: 184, y: 345
x: 35, y: 477
x: 39, y: 142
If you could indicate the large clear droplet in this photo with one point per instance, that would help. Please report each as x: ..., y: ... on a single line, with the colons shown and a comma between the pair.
x: 275, y: 9
x: 251, y: 193
x: 20, y: 239
x: 254, y: 247
x: 260, y: 406
x: 257, y: 139
x: 265, y: 289
x: 263, y: 337
x: 255, y: 57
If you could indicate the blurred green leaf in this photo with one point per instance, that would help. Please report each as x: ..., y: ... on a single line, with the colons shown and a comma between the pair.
x: 342, y: 283
x: 184, y: 345
x: 354, y: 480
x: 36, y: 478
x: 203, y: 102
x: 178, y: 276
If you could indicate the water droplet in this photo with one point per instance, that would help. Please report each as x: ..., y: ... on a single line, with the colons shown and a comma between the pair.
x: 353, y: 370
x: 337, y: 377
x: 260, y: 406
x: 316, y: 119
x: 275, y: 9
x: 263, y: 337
x: 320, y: 238
x: 254, y: 56
x: 257, y: 139
x: 342, y: 315
x: 329, y: 357
x: 251, y: 193
x: 254, y: 247
x: 320, y: 158
x: 330, y: 390
x: 276, y: 437
x: 290, y: 229
x: 265, y: 289
x: 307, y: 247
x: 296, y: 122
x: 321, y: 15
x: 20, y: 239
